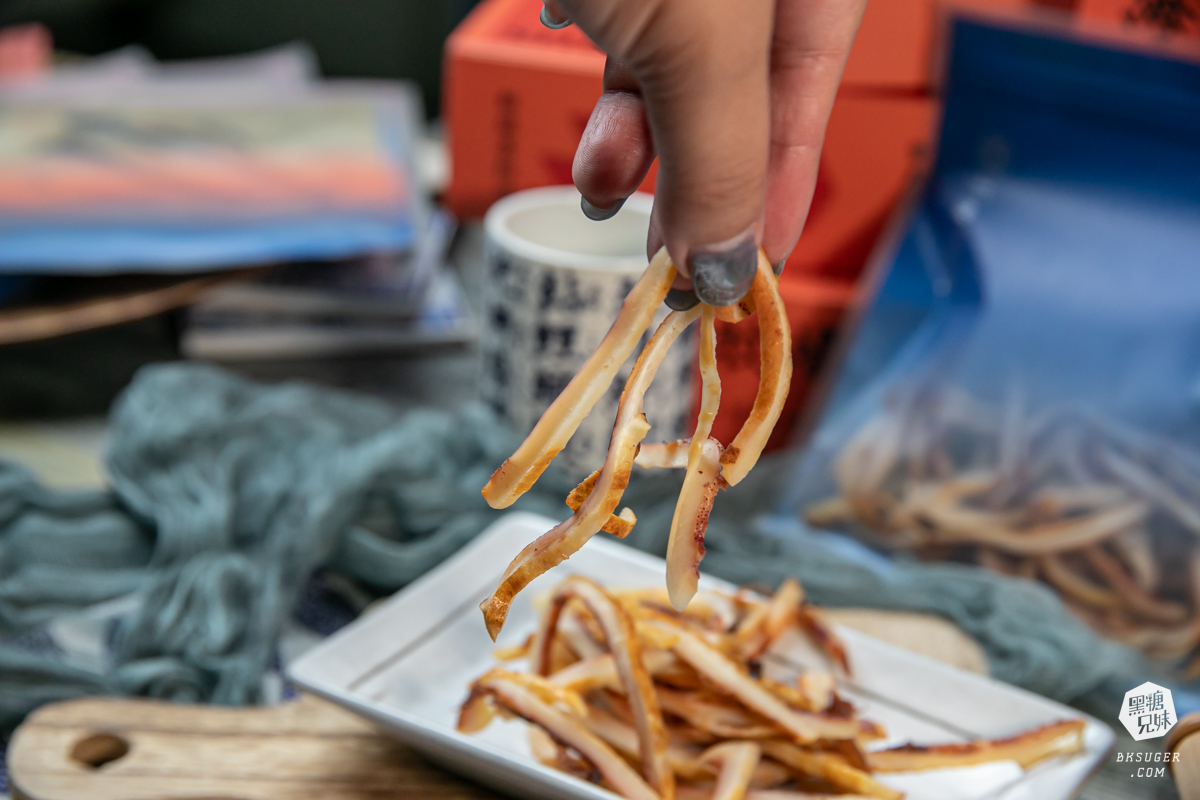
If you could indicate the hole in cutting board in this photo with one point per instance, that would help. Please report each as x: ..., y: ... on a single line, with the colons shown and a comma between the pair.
x: 99, y: 749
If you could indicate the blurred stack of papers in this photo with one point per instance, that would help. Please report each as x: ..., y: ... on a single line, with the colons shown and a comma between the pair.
x: 379, y: 302
x: 121, y: 164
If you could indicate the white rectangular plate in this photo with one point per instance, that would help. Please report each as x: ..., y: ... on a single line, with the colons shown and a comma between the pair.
x: 408, y: 663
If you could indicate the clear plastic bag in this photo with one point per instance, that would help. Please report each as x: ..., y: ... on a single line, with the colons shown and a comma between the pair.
x: 1024, y: 391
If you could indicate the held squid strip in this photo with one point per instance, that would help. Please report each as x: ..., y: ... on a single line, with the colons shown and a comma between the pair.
x: 619, y: 525
x: 562, y: 419
x: 709, y: 466
x: 563, y: 540
x: 685, y: 548
x: 664, y: 455
x: 774, y: 378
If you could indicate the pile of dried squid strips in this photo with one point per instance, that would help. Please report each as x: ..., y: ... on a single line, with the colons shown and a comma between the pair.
x: 709, y: 465
x: 1106, y: 515
x: 656, y: 704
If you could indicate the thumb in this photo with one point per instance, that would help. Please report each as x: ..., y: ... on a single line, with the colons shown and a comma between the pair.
x: 703, y: 67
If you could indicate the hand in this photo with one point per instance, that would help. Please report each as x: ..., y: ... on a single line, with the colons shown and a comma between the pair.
x: 733, y: 96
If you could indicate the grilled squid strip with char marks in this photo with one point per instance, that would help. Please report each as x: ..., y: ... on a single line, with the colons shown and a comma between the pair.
x: 1061, y: 738
x: 563, y: 540
x: 564, y: 728
x: 737, y: 761
x: 561, y: 420
x: 685, y: 548
x: 730, y: 679
x: 626, y: 651
x: 774, y: 380
x: 664, y: 455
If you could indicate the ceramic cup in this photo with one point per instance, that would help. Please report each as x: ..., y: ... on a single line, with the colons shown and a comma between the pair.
x: 553, y: 285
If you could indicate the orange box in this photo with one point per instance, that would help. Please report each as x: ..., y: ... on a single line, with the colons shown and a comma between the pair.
x: 875, y: 144
x: 894, y: 43
x: 516, y: 98
x: 1141, y: 15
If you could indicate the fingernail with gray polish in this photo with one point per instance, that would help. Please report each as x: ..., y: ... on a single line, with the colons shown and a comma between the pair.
x: 549, y: 22
x: 681, y: 299
x: 723, y: 276
x: 600, y: 214
x: 778, y: 268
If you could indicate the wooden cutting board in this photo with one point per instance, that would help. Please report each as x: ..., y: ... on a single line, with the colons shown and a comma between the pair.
x: 109, y: 749
x: 117, y: 749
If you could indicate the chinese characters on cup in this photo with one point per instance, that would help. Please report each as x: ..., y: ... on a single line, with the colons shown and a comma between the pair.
x: 541, y: 323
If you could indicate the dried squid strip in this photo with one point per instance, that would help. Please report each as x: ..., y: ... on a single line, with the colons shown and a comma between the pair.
x: 698, y: 793
x: 829, y: 767
x: 552, y: 754
x: 759, y: 629
x: 664, y: 455
x: 1169, y: 643
x: 556, y: 427
x: 864, y: 465
x: 1062, y: 738
x: 1061, y: 576
x: 513, y: 652
x: 710, y: 380
x: 775, y: 376
x: 814, y: 691
x: 711, y: 609
x: 715, y: 717
x: 685, y: 548
x: 600, y: 672
x: 1137, y: 552
x: 728, y: 736
x: 736, y: 312
x: 829, y: 513
x: 766, y: 622
x: 1016, y: 566
x: 1058, y: 501
x: 737, y: 761
x: 624, y: 739
x: 619, y: 525
x: 560, y: 542
x: 595, y: 500
x: 573, y: 630
x: 684, y: 759
x: 1049, y: 537
x: 564, y: 727
x: 626, y: 651
x: 824, y: 638
x: 1136, y: 599
x: 729, y: 678
x: 1153, y: 488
